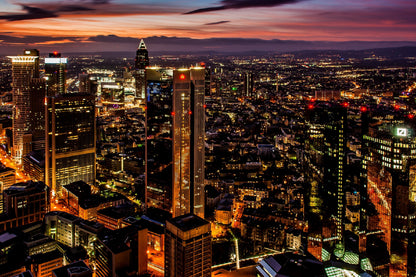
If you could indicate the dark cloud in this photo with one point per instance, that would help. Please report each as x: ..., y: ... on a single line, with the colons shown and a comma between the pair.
x: 240, y: 4
x: 9, y: 39
x: 218, y: 22
x: 113, y: 39
x: 31, y: 13
x: 43, y: 10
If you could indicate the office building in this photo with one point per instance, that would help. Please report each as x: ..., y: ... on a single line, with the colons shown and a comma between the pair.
x: 390, y: 170
x: 175, y: 120
x: 188, y: 141
x: 70, y: 140
x: 7, y: 179
x: 42, y: 265
x: 37, y: 116
x: 158, y: 134
x: 140, y: 63
x: 55, y: 73
x: 325, y: 161
x: 188, y: 249
x: 24, y: 69
x: 24, y: 203
x: 121, y: 250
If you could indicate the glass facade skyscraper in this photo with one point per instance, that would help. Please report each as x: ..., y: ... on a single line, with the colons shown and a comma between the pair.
x: 390, y: 172
x: 70, y: 140
x: 175, y: 120
x: 25, y: 68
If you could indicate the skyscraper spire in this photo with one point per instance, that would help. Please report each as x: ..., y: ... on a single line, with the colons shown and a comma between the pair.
x: 142, y: 45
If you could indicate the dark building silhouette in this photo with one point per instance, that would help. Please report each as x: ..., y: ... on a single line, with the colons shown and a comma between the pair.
x: 140, y: 63
x: 325, y: 160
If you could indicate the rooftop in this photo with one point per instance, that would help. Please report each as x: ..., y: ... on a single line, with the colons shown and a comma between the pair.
x: 188, y: 222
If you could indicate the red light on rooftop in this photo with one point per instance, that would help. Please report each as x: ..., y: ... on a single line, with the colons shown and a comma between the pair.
x: 55, y: 53
x: 311, y: 106
x: 205, y: 106
x: 190, y: 112
x: 363, y: 109
x: 345, y: 104
x: 410, y: 116
x: 182, y: 77
x: 313, y: 99
x: 397, y: 107
x: 172, y: 113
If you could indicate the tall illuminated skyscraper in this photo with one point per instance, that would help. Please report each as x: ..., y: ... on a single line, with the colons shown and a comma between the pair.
x: 25, y: 68
x: 70, y: 140
x: 188, y: 141
x: 55, y: 73
x: 140, y: 63
x: 175, y: 130
x: 325, y: 160
x: 390, y: 172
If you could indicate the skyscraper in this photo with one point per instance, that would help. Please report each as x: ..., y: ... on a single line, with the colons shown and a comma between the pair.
x: 24, y: 69
x: 140, y: 63
x: 188, y: 141
x: 175, y: 120
x: 325, y: 161
x: 188, y: 249
x: 55, y: 73
x: 390, y: 171
x: 158, y: 145
x: 70, y: 140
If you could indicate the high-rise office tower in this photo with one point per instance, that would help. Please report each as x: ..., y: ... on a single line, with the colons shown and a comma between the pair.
x: 37, y: 113
x: 24, y: 69
x: 188, y: 141
x: 140, y: 63
x: 158, y: 145
x: 390, y: 171
x: 175, y: 120
x: 325, y: 160
x: 55, y: 73
x: 188, y: 249
x: 70, y: 140
x: 248, y: 84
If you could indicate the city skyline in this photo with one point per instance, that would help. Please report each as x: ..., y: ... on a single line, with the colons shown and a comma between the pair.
x: 113, y: 25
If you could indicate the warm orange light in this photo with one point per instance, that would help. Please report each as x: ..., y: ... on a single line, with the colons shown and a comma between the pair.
x: 182, y: 76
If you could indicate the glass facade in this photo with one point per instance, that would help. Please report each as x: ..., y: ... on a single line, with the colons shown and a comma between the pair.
x: 70, y: 145
x: 390, y: 167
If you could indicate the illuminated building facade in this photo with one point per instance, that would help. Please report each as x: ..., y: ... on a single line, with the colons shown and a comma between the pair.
x: 140, y: 63
x: 188, y: 249
x: 175, y: 121
x: 24, y: 69
x: 55, y: 73
x: 390, y: 171
x: 325, y: 161
x: 70, y: 140
x: 188, y: 141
